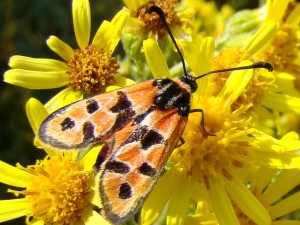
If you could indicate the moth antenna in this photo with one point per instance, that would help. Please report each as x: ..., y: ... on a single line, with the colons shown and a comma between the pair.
x: 263, y: 65
x: 161, y: 15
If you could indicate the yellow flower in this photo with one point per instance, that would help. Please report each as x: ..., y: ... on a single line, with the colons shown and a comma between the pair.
x: 271, y: 94
x: 277, y: 192
x: 216, y: 162
x: 89, y: 69
x: 208, y: 18
x: 56, y: 190
x: 144, y: 24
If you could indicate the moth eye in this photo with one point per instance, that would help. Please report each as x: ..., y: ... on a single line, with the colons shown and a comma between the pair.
x: 67, y: 124
x: 92, y: 106
x: 147, y: 170
x: 125, y: 191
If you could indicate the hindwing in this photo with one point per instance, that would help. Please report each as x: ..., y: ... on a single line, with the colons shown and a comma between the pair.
x: 128, y: 175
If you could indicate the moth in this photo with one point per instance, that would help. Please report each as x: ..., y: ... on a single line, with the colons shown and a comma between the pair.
x: 138, y: 125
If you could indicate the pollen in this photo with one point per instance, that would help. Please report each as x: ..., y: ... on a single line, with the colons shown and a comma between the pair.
x: 92, y: 70
x: 60, y: 191
x: 283, y: 51
x: 152, y: 22
x: 207, y: 155
x: 253, y: 93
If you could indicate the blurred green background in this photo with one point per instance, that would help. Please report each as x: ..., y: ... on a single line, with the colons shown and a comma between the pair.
x: 25, y: 25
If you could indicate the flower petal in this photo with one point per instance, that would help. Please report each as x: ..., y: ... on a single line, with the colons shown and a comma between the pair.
x: 36, y: 79
x: 281, y: 102
x: 286, y: 205
x: 13, y: 176
x: 277, y: 9
x: 36, y: 113
x: 95, y: 219
x: 159, y: 197
x: 262, y: 38
x: 27, y: 63
x: 63, y: 98
x: 236, y: 84
x: 179, y: 200
x: 155, y: 59
x: 12, y: 209
x: 247, y: 202
x: 60, y: 48
x: 221, y: 203
x: 279, y: 187
x: 89, y: 159
x: 82, y: 22
x: 294, y: 18
x: 133, y: 5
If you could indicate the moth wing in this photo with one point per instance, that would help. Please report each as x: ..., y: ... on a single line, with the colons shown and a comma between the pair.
x: 128, y: 176
x: 90, y: 121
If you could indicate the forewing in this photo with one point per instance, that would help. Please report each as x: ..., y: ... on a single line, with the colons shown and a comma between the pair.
x: 92, y: 120
x: 128, y: 176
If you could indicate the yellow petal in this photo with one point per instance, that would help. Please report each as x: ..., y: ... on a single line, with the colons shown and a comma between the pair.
x: 286, y: 205
x: 89, y: 159
x: 13, y: 176
x: 60, y: 48
x: 277, y: 9
x: 119, y: 21
x: 27, y: 63
x: 82, y: 22
x: 282, y: 185
x: 221, y: 203
x: 12, y: 209
x: 36, y: 113
x: 155, y: 59
x: 246, y: 201
x: 294, y: 18
x: 159, y: 197
x: 36, y: 79
x: 262, y: 38
x: 281, y: 102
x: 105, y: 35
x: 179, y: 200
x: 63, y: 98
x: 236, y: 84
x: 133, y: 5
x: 95, y: 219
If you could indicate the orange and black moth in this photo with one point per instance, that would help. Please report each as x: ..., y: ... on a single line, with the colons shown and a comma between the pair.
x: 138, y: 125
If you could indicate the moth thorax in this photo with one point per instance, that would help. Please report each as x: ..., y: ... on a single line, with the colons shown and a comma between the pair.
x: 189, y: 82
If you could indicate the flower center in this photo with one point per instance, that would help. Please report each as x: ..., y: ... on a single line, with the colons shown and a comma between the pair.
x: 253, y: 92
x: 60, y: 190
x: 204, y: 155
x: 283, y: 51
x: 92, y: 70
x: 151, y: 22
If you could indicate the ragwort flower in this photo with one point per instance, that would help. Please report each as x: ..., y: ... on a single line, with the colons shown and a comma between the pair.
x: 216, y: 162
x: 89, y: 69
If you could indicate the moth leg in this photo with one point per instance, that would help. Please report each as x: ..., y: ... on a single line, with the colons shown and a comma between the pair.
x: 202, y: 121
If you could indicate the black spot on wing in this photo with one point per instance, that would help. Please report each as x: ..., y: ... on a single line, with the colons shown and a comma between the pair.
x: 147, y: 170
x: 122, y: 104
x: 67, y: 124
x: 125, y: 191
x: 136, y: 135
x: 123, y: 118
x: 151, y: 138
x: 117, y: 167
x: 92, y: 106
x: 88, y: 131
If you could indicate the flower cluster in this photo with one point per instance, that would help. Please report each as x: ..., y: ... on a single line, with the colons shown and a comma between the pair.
x: 237, y: 162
